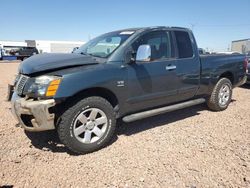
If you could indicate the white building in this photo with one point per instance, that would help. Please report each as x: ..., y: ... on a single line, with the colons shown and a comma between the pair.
x: 5, y: 43
x: 241, y: 46
x: 46, y: 46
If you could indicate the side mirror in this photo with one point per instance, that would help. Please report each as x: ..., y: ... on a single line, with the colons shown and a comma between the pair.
x: 143, y: 53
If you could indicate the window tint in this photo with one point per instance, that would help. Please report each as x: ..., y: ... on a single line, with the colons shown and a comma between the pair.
x: 183, y: 44
x: 159, y: 42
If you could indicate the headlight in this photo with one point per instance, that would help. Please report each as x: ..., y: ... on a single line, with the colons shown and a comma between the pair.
x: 42, y: 86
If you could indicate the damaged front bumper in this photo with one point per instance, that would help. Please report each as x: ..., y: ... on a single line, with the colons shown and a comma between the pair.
x: 33, y: 115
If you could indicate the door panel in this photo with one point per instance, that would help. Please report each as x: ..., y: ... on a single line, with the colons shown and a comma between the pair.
x: 153, y: 83
x: 150, y: 85
x: 188, y: 65
x: 188, y: 76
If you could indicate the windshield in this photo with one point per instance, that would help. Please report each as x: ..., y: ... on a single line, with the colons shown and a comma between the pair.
x: 104, y: 45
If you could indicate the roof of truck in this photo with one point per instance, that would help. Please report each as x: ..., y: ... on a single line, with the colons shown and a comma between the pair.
x: 149, y: 28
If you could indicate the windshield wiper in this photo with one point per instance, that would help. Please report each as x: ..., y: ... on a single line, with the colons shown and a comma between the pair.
x: 90, y: 54
x: 95, y: 55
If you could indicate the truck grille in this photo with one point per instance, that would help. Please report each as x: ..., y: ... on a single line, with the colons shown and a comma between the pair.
x: 20, y: 84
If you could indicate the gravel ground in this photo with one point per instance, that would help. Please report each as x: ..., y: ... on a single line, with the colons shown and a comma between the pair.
x: 188, y: 148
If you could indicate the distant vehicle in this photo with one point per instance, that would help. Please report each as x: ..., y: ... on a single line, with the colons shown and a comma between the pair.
x: 1, y: 53
x: 24, y: 52
x: 127, y: 74
x: 201, y: 51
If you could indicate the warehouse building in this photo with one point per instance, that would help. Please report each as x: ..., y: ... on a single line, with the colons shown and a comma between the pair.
x: 46, y: 46
x: 241, y: 46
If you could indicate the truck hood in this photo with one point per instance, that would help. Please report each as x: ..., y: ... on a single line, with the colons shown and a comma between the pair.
x: 53, y: 61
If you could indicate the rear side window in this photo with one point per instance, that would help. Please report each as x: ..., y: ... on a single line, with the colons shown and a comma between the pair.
x: 184, y: 44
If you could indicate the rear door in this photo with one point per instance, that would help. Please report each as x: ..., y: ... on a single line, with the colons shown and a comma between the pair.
x: 187, y: 65
x: 153, y: 83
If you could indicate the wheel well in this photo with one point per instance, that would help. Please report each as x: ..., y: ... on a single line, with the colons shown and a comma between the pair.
x: 229, y: 76
x: 101, y: 92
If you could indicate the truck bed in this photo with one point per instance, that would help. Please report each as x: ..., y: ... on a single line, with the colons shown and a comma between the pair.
x: 213, y: 65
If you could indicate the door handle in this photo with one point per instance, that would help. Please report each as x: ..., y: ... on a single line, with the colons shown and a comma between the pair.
x: 170, y: 67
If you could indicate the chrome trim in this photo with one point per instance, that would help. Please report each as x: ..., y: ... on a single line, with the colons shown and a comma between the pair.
x: 170, y: 67
x: 143, y: 53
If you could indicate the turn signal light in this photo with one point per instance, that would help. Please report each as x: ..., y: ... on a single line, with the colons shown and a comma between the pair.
x: 53, y: 86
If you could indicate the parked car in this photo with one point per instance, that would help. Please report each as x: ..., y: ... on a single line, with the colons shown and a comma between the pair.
x: 129, y: 74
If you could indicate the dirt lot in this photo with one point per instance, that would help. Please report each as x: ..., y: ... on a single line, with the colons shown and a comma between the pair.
x: 188, y: 148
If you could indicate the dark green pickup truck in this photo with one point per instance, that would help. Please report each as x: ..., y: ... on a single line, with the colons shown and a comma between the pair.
x: 129, y: 74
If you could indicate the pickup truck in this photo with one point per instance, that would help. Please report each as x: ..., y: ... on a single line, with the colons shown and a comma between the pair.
x: 127, y: 74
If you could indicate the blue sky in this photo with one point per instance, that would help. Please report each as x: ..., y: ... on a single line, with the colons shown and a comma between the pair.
x: 215, y: 23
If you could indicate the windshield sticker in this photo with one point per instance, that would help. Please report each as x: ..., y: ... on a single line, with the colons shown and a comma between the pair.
x: 127, y: 33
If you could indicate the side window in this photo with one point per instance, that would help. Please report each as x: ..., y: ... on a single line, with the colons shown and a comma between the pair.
x: 159, y: 42
x: 184, y: 44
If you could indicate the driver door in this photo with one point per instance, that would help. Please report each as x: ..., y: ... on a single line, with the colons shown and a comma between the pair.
x: 153, y: 83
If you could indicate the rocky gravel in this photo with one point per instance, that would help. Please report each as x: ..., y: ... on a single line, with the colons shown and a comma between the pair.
x: 193, y: 147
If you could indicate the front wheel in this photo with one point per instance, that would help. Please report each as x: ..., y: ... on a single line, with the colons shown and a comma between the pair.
x: 88, y: 125
x: 221, y: 95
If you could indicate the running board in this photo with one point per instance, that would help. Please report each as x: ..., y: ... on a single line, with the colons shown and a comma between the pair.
x: 149, y: 113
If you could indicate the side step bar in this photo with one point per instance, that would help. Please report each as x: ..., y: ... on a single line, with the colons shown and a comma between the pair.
x: 149, y: 113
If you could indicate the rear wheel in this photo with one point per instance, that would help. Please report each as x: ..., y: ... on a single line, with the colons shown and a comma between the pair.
x: 88, y: 125
x: 221, y: 95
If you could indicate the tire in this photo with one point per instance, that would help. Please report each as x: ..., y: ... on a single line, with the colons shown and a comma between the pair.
x: 87, y: 116
x: 215, y: 102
